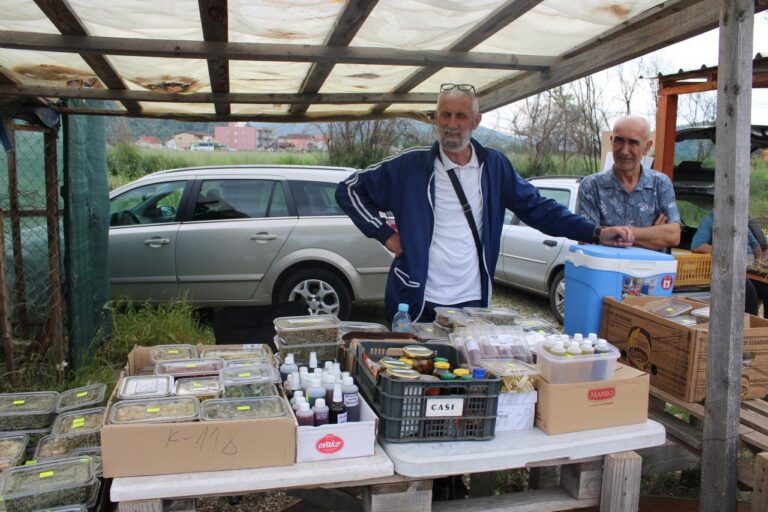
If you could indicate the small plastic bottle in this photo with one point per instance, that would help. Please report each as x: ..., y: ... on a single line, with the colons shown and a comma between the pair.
x: 338, y: 412
x: 574, y: 349
x: 601, y: 347
x: 592, y: 337
x: 305, y: 416
x: 473, y: 349
x: 312, y: 360
x: 351, y: 399
x: 298, y: 397
x: 586, y: 348
x: 549, y: 341
x: 320, y: 411
x: 578, y: 337
x: 402, y: 320
x: 315, y: 390
x: 328, y: 381
x: 557, y: 348
x: 337, y: 370
x: 288, y: 367
x: 295, y: 383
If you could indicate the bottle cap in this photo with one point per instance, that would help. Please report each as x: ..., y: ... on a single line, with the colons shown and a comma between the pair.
x: 402, y: 307
x: 295, y: 380
x: 578, y: 337
x: 347, y: 381
x: 337, y: 368
x: 478, y: 373
x: 299, y: 393
x: 586, y: 343
x: 345, y: 374
x: 289, y: 358
x: 303, y: 406
x: 592, y: 336
x: 442, y: 366
x: 337, y: 392
x: 460, y: 372
x: 303, y: 370
x: 319, y: 403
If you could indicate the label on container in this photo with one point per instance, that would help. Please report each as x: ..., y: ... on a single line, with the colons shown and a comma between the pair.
x: 329, y: 444
x: 245, y: 374
x: 191, y: 365
x: 19, y: 402
x: 78, y: 422
x: 46, y: 474
x: 173, y: 351
x: 153, y: 409
x: 196, y: 385
x: 243, y: 407
x: 437, y: 407
x: 82, y: 394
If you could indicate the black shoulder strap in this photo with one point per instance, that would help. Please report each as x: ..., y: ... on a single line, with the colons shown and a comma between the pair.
x: 468, y: 214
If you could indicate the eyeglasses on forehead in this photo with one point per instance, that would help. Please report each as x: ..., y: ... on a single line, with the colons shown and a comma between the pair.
x: 461, y: 87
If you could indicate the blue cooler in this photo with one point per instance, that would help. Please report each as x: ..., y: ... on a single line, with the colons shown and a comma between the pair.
x: 596, y: 271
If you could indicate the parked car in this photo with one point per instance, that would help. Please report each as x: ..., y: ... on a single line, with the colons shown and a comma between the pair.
x: 535, y: 262
x: 242, y: 235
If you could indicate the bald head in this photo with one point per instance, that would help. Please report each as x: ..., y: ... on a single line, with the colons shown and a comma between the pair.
x: 630, y: 141
x: 637, y: 124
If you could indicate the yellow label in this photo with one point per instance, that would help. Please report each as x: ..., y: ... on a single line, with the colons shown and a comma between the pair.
x: 542, y: 331
x: 19, y: 402
x: 246, y: 374
x: 191, y: 366
x: 196, y: 385
x: 82, y: 394
x: 153, y: 409
x: 243, y: 407
x: 46, y: 474
x: 78, y: 422
x: 30, y: 462
x: 669, y: 309
x: 173, y: 351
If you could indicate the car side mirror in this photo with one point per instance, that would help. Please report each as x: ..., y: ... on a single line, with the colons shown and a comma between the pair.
x: 167, y: 211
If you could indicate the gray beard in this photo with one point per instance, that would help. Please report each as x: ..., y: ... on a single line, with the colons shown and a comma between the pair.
x: 453, y: 145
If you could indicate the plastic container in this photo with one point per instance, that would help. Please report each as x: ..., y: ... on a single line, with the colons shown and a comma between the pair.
x: 593, y: 272
x: 672, y: 309
x: 245, y: 362
x: 80, y: 428
x: 202, y: 388
x: 687, y: 320
x: 496, y: 316
x: 693, y: 269
x: 537, y: 325
x: 253, y: 351
x: 56, y: 446
x: 34, y: 439
x: 494, y: 342
x: 403, y: 406
x: 464, y: 322
x: 172, y: 352
x: 325, y: 351
x: 701, y: 315
x: 156, y: 410
x: 81, y: 398
x: 249, y: 381
x: 12, y: 450
x: 243, y: 408
x: 189, y: 367
x: 351, y: 326
x: 429, y: 331
x: 65, y: 508
x: 303, y: 330
x: 566, y: 369
x: 27, y: 411
x: 48, y: 484
x: 446, y: 316
x: 145, y: 386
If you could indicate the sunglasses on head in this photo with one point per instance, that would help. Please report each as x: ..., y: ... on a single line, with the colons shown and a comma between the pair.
x: 461, y: 87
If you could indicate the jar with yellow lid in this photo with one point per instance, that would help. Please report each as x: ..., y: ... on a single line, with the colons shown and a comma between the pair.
x: 441, y: 368
x: 407, y: 361
x: 421, y: 357
x: 461, y: 372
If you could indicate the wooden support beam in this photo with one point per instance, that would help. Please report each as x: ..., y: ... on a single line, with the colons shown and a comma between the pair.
x: 55, y: 333
x: 666, y: 129
x: 215, y: 20
x: 155, y: 505
x: 760, y: 484
x: 583, y: 480
x: 352, y: 17
x: 214, y: 97
x: 543, y: 500
x: 726, y: 331
x: 65, y: 20
x: 96, y: 46
x: 621, y: 482
x: 5, y: 304
x: 758, y: 81
x: 19, y: 280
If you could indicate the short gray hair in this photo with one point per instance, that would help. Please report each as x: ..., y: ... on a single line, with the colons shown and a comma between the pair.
x: 456, y: 93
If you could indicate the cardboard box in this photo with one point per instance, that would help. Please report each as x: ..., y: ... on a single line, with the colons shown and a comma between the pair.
x: 167, y: 448
x: 516, y: 411
x: 573, y: 407
x: 343, y: 441
x: 676, y: 355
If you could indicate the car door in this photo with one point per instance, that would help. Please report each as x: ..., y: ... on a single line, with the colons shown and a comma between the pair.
x: 527, y: 253
x: 143, y: 232
x: 237, y: 228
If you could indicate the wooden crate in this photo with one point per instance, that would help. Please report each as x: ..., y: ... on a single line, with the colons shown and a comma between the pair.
x: 675, y: 355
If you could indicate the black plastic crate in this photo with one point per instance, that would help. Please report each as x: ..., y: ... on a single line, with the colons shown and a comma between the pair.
x: 403, y: 405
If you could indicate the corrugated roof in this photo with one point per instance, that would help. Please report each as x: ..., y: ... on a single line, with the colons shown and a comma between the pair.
x: 303, y: 60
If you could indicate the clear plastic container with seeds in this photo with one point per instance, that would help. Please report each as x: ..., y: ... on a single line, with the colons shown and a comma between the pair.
x: 446, y: 316
x: 34, y: 439
x: 48, y: 484
x: 81, y: 398
x: 252, y: 351
x: 189, y: 367
x: 156, y: 410
x: 172, y: 352
x: 700, y: 315
x: 245, y: 362
x: 145, y: 386
x: 12, y: 450
x: 55, y: 446
x: 324, y: 351
x: 204, y: 388
x: 352, y: 326
x: 429, y: 331
x: 463, y: 322
x: 65, y: 508
x: 496, y: 316
x: 249, y: 381
x: 672, y: 308
x: 307, y: 330
x: 82, y: 428
x: 94, y: 452
x: 243, y: 408
x: 537, y: 325
x: 27, y: 411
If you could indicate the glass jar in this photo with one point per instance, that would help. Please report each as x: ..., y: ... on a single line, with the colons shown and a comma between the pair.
x: 441, y: 368
x: 421, y: 357
x: 430, y: 390
x: 461, y: 373
x: 407, y: 361
x: 394, y: 373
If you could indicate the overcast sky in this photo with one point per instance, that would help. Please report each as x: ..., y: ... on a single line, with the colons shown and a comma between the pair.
x: 687, y: 55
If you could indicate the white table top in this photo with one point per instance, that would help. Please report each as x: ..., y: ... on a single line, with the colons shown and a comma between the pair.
x: 509, y: 450
x: 241, y: 481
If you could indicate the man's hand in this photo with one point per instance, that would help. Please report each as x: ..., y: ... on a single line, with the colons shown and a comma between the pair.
x: 661, y: 219
x: 393, y: 244
x: 617, y: 236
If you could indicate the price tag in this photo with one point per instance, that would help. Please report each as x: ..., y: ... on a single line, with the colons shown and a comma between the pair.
x: 245, y: 374
x: 153, y: 409
x: 46, y: 474
x: 82, y: 394
x: 243, y: 407
x: 444, y: 407
x: 78, y: 422
x: 173, y: 351
x: 19, y: 402
x: 193, y: 365
x: 196, y: 385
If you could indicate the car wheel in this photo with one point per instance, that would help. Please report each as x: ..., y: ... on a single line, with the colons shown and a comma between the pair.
x: 323, y: 291
x: 557, y: 296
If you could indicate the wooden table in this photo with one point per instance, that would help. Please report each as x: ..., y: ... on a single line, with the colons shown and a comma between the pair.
x: 581, y: 454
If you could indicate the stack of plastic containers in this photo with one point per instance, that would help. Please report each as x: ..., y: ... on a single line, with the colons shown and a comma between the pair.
x: 492, y: 343
x: 301, y: 335
x: 496, y: 316
x: 561, y: 363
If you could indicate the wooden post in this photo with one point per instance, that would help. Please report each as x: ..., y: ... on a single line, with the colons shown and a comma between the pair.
x: 621, y: 482
x: 726, y: 327
x: 56, y: 318
x: 15, y: 214
x: 155, y: 505
x: 760, y: 484
x: 666, y: 129
x: 5, y: 303
x: 415, y: 496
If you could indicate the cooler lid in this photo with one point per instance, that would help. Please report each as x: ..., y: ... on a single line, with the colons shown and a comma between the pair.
x: 633, y: 261
x: 621, y: 253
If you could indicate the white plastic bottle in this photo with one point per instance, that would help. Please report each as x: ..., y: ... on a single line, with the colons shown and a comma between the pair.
x: 586, y: 348
x: 312, y: 360
x: 351, y: 399
x: 557, y: 348
x: 298, y: 397
x: 338, y: 413
x: 402, y: 320
x: 328, y: 381
x: 305, y: 416
x: 288, y: 367
x: 574, y: 349
x: 320, y: 411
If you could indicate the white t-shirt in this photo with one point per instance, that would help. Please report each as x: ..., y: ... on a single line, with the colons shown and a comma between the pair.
x: 454, y: 273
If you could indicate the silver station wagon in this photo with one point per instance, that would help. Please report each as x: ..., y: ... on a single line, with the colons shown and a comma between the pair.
x: 242, y: 235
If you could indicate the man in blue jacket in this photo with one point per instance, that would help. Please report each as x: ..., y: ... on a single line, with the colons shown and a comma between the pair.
x: 446, y: 247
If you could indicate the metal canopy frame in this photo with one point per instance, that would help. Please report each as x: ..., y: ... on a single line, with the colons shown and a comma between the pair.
x: 659, y: 26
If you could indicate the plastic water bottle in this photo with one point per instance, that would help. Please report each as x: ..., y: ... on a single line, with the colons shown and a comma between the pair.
x: 402, y: 320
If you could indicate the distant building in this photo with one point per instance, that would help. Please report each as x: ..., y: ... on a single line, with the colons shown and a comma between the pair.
x: 184, y: 140
x: 147, y: 141
x: 301, y: 142
x: 245, y: 138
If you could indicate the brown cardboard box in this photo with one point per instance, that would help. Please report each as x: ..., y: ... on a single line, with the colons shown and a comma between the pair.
x: 573, y: 407
x: 676, y: 355
x: 166, y: 448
